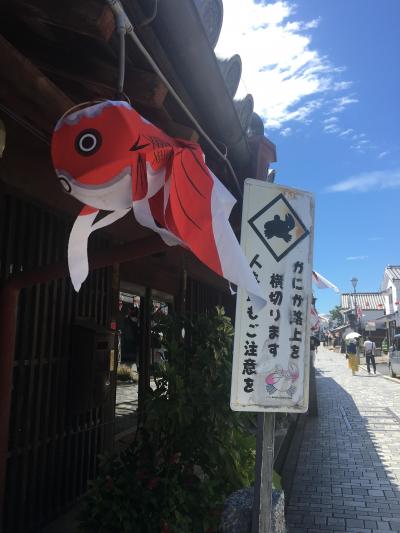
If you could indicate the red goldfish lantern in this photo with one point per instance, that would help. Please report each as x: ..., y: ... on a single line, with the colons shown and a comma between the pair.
x: 110, y: 158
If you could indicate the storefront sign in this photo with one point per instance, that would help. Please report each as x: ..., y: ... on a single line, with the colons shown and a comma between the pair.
x: 272, y: 346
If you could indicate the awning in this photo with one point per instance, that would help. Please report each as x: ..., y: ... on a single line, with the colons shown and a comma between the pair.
x: 387, y: 318
x: 339, y: 328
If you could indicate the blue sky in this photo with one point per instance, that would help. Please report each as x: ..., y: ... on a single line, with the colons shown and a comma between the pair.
x: 325, y: 78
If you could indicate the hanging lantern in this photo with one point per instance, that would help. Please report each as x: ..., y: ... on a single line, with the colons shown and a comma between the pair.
x: 110, y: 158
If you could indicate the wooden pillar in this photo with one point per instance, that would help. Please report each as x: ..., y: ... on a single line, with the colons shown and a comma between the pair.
x: 262, y: 504
x: 313, y: 398
x: 8, y: 329
x: 144, y: 354
x: 181, y: 304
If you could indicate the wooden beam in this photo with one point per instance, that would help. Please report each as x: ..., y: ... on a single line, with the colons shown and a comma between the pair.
x: 27, y: 91
x: 141, y: 86
x: 183, y: 132
x: 148, y: 273
x: 92, y: 18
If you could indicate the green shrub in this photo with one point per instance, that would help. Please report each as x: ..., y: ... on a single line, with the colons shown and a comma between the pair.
x: 191, y: 450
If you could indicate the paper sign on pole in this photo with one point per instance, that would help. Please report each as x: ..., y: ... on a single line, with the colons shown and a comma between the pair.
x: 272, y: 346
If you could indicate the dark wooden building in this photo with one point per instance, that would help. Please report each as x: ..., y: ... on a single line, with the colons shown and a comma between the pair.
x: 57, y: 347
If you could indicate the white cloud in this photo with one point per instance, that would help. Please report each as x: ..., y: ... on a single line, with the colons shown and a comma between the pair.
x: 330, y: 120
x: 361, y: 143
x: 368, y: 181
x: 382, y: 154
x: 342, y: 85
x: 331, y: 128
x: 375, y: 238
x: 346, y: 132
x: 288, y: 78
x: 340, y: 104
x: 358, y: 148
x: 312, y: 24
x: 286, y: 132
x: 356, y: 257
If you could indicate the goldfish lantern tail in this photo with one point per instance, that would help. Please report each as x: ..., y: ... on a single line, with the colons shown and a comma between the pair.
x: 198, y: 211
x: 84, y: 225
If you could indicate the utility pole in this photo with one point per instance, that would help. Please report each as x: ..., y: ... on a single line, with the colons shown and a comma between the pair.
x: 354, y: 282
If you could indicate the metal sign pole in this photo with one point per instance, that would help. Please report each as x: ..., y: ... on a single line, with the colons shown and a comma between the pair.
x: 262, y: 505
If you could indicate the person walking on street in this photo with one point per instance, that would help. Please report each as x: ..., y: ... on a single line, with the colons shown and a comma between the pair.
x: 343, y: 346
x: 369, y: 350
x: 352, y: 356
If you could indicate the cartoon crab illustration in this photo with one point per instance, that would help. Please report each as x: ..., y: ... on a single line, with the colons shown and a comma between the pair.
x: 280, y: 228
x: 282, y: 380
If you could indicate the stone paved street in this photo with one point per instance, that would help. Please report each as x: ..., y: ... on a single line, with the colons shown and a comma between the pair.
x: 348, y: 471
x: 126, y: 404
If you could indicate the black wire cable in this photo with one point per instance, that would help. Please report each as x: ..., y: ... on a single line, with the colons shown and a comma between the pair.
x: 121, y: 61
x: 25, y: 124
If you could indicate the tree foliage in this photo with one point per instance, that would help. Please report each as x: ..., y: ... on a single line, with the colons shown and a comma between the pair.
x: 336, y: 316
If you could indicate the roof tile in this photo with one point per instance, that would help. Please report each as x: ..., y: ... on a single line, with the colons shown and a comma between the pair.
x: 368, y: 301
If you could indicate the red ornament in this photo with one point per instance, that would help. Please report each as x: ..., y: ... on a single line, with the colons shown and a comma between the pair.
x: 110, y: 158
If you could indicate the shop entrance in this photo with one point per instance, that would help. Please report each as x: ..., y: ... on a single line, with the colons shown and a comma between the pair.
x: 140, y: 348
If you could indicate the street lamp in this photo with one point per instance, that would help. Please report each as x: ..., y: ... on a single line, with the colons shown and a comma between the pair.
x: 354, y: 282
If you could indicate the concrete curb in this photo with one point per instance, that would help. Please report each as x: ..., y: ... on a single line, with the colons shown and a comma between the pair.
x: 395, y: 380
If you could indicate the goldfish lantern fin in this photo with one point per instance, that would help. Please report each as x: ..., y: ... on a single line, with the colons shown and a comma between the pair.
x: 198, y: 213
x: 139, y: 177
x: 149, y: 190
x: 78, y: 241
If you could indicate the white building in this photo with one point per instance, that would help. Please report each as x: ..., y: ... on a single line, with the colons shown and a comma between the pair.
x: 368, y: 308
x: 364, y: 312
x: 390, y: 288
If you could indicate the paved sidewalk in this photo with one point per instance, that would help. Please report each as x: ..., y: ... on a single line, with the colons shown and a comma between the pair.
x: 348, y: 472
x: 126, y: 404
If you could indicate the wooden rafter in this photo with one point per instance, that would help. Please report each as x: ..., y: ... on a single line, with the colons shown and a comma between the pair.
x: 27, y: 92
x: 142, y: 87
x: 92, y: 18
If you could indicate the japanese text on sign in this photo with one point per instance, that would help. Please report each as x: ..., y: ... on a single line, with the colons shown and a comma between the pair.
x: 271, y: 356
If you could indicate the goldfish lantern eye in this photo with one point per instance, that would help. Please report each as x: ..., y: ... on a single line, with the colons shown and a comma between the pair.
x: 88, y: 142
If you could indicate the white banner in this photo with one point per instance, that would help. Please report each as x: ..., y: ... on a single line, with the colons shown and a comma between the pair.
x: 272, y: 346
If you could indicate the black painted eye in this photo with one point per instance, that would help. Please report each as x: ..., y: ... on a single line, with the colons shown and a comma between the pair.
x: 88, y: 142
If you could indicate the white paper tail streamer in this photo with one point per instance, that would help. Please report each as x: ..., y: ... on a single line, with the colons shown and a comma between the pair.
x: 235, y: 266
x: 78, y: 242
x: 314, y: 321
x: 142, y: 211
x: 323, y: 283
x: 232, y: 290
x: 143, y: 215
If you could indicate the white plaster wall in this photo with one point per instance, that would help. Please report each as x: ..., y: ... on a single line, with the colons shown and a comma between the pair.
x: 370, y: 316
